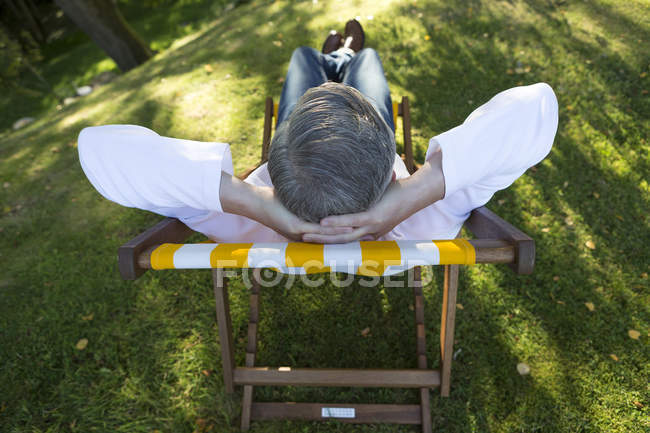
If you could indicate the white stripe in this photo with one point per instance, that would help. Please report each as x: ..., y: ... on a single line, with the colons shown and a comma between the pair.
x: 193, y: 256
x: 343, y: 257
x: 415, y: 253
x: 267, y: 255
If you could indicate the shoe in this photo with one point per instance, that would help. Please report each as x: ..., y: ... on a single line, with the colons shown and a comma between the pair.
x: 354, y: 35
x: 333, y: 42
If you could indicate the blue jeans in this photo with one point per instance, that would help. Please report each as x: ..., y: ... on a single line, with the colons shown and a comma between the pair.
x: 363, y: 71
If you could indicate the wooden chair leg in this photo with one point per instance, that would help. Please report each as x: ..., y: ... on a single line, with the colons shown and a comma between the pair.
x: 251, y: 350
x: 425, y: 412
x: 447, y: 327
x: 225, y: 328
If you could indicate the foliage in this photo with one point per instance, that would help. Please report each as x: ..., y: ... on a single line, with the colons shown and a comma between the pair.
x: 16, y: 60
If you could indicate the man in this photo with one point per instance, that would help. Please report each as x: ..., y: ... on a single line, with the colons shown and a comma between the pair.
x: 333, y: 175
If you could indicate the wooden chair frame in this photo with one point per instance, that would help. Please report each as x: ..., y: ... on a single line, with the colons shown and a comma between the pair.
x: 497, y: 241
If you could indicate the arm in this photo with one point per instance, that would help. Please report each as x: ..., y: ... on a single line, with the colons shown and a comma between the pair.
x: 189, y: 180
x: 261, y: 204
x: 490, y: 150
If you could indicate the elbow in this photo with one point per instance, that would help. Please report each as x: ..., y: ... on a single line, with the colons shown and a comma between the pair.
x: 548, y: 115
x: 547, y: 100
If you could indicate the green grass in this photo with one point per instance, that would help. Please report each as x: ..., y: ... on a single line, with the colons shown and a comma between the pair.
x: 150, y: 340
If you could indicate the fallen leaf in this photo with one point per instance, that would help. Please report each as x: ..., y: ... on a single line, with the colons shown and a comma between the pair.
x: 590, y: 306
x: 510, y: 72
x: 643, y: 74
x: 644, y: 92
x: 596, y: 195
x: 568, y: 221
x: 523, y: 368
x: 561, y: 302
x: 638, y: 404
x: 6, y: 185
x: 208, y: 68
x: 619, y: 217
x: 614, y: 357
x: 427, y: 37
x: 556, y: 278
x: 569, y: 107
x: 81, y: 344
x: 460, y: 306
x: 644, y: 275
x: 634, y: 334
x: 201, y: 423
x: 501, y: 202
x: 54, y: 150
x: 206, y: 372
x: 591, y: 245
x: 88, y: 317
x: 546, y: 230
x: 365, y: 332
x: 277, y: 43
x: 411, y: 307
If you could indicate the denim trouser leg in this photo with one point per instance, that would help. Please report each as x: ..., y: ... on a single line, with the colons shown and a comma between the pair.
x: 309, y: 68
x: 305, y: 71
x: 366, y: 74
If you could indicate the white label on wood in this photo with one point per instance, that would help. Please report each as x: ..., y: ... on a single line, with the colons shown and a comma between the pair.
x: 337, y: 412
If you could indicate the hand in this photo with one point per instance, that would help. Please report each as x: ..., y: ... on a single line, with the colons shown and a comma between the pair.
x: 261, y: 204
x: 402, y: 199
x: 273, y: 214
x: 389, y: 211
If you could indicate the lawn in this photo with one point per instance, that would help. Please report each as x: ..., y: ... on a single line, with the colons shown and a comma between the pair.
x: 152, y: 360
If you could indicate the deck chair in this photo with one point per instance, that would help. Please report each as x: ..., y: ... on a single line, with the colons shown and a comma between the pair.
x: 496, y: 241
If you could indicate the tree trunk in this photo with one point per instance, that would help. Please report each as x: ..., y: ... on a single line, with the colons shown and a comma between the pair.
x: 103, y: 22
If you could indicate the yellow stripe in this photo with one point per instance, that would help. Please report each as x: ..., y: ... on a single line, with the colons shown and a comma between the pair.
x: 456, y: 252
x: 376, y: 256
x: 395, y: 111
x: 163, y: 256
x: 309, y: 256
x: 230, y: 255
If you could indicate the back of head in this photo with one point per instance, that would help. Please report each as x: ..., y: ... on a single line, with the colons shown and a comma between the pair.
x: 334, y: 154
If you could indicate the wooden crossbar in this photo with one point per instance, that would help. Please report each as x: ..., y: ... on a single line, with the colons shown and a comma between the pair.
x: 363, y: 413
x: 282, y: 376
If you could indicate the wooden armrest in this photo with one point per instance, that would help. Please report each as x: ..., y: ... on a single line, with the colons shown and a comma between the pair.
x: 168, y: 230
x: 485, y: 224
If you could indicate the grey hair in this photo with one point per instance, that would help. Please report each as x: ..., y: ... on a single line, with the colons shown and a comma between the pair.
x: 334, y: 154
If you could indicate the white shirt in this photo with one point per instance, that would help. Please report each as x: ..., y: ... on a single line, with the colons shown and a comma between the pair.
x: 135, y: 167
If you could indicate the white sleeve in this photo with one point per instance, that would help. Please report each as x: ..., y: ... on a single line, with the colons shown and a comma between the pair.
x: 499, y: 140
x: 135, y: 167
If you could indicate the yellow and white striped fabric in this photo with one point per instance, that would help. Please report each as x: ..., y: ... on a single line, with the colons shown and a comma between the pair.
x: 372, y: 258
